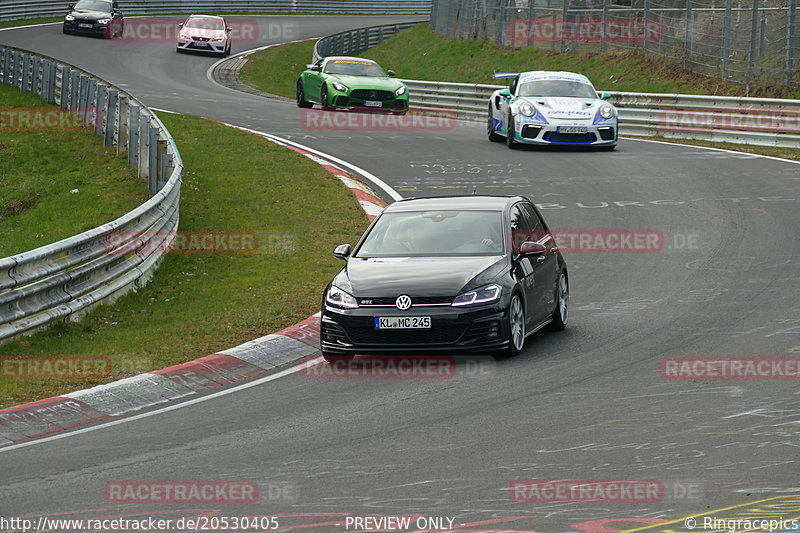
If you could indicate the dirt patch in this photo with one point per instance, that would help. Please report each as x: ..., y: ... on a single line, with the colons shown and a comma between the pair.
x: 20, y: 205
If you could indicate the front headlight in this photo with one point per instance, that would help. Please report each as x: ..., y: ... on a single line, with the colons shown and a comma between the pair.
x: 527, y: 109
x: 606, y: 112
x: 183, y: 35
x: 104, y: 21
x: 340, y: 87
x: 484, y: 295
x: 339, y: 298
x: 401, y: 91
x: 69, y: 18
x: 218, y: 39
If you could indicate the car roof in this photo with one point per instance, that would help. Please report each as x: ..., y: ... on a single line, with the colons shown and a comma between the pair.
x: 201, y: 16
x: 350, y: 58
x: 445, y: 203
x: 554, y: 75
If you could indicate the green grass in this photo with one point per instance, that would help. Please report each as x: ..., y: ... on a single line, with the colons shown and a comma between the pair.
x: 39, y: 168
x: 25, y: 22
x: 196, y: 305
x: 289, y: 59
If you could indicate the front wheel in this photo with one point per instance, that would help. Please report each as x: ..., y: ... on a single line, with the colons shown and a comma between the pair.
x: 323, y: 97
x: 516, y: 326
x: 494, y: 137
x: 510, y: 141
x: 301, y: 96
x: 561, y: 312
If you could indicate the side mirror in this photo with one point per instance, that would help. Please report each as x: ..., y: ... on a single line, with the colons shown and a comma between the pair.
x: 180, y: 24
x: 605, y: 95
x: 505, y: 93
x: 390, y: 72
x: 315, y: 68
x: 342, y: 251
x: 532, y: 248
x: 228, y: 30
x: 71, y: 6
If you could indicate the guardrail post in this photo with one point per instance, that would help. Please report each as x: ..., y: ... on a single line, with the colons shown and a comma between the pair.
x: 51, y: 88
x: 36, y: 70
x: 123, y: 121
x: 6, y: 66
x: 75, y: 90
x: 133, y: 136
x: 152, y: 166
x: 26, y: 69
x: 144, y: 146
x: 66, y: 75
x: 166, y: 168
x: 339, y: 41
x: 110, y: 118
x: 350, y: 44
x: 161, y: 152
x: 380, y: 34
x: 91, y: 96
x: 100, y: 118
x: 45, y: 80
x: 15, y: 69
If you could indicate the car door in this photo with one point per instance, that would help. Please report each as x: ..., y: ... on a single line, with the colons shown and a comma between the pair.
x: 500, y: 106
x: 523, y: 267
x: 545, y: 267
x: 313, y: 82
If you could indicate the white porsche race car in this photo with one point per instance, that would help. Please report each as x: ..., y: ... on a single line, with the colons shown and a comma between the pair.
x: 544, y: 107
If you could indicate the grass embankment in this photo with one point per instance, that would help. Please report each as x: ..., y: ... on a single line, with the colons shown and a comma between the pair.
x: 419, y: 53
x: 197, y: 304
x: 40, y: 166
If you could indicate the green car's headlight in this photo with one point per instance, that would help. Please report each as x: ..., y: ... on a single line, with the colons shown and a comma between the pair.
x: 606, y: 112
x: 340, y: 87
x: 401, y: 91
x: 527, y: 109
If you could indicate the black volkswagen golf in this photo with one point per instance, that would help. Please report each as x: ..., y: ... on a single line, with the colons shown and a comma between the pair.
x: 101, y: 18
x: 455, y: 274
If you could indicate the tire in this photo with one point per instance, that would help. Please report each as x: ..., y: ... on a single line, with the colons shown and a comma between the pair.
x: 516, y: 326
x: 561, y: 312
x: 301, y: 100
x: 493, y: 137
x: 336, y: 358
x: 323, y: 97
x: 510, y: 141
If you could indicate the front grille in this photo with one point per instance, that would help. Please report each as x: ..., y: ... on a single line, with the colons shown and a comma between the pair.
x: 439, y: 335
x: 607, y: 134
x: 201, y: 39
x: 557, y: 137
x: 415, y: 301
x: 369, y: 94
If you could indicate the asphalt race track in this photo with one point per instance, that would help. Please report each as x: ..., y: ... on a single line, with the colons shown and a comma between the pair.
x: 587, y: 403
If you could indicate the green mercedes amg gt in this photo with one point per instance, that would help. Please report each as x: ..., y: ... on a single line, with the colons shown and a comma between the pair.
x: 341, y: 82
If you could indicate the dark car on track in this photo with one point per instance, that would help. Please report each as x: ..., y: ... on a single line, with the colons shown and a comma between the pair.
x: 447, y: 274
x: 101, y: 18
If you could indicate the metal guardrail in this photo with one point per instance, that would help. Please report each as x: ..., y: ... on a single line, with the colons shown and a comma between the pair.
x: 70, y: 276
x: 756, y: 121
x: 19, y: 9
x: 356, y: 41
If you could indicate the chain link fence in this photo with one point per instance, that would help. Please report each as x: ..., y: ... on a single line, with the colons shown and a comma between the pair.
x: 745, y: 41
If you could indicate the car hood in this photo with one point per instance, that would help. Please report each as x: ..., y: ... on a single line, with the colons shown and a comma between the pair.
x: 563, y: 107
x: 415, y: 276
x: 203, y: 32
x: 367, y: 82
x: 95, y: 15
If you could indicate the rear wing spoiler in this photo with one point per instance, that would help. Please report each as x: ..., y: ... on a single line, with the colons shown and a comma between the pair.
x: 498, y: 75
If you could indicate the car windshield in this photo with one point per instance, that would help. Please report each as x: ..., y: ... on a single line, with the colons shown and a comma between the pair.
x: 353, y: 67
x: 435, y: 233
x: 563, y: 88
x: 205, y: 24
x: 93, y: 5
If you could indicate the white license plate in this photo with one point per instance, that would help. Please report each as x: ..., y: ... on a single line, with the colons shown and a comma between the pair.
x: 85, y: 25
x: 572, y: 129
x: 403, y: 322
x: 373, y: 103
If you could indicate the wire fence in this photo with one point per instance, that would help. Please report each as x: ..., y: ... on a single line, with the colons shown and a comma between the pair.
x: 745, y: 41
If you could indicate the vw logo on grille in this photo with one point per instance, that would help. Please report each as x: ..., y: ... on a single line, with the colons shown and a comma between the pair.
x: 403, y: 302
